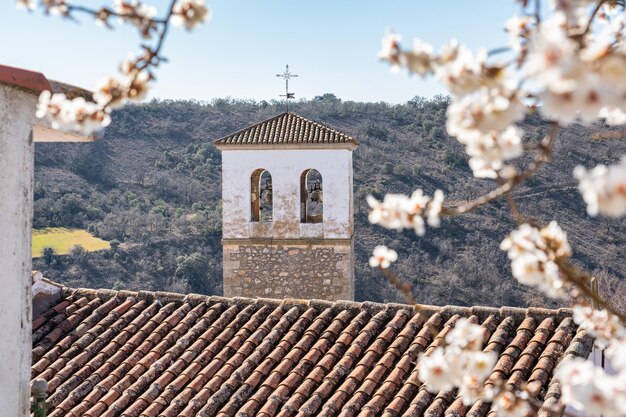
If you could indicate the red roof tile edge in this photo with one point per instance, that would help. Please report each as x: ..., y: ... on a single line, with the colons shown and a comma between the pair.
x: 36, y: 82
x: 517, y: 313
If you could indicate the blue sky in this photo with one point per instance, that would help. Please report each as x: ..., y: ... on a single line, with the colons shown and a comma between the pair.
x: 332, y: 45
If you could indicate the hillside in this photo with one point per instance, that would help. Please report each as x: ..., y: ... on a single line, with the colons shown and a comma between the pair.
x: 152, y: 188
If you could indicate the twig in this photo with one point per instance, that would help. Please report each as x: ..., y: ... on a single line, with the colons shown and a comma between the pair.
x: 580, y: 279
x: 545, y: 150
x: 108, y: 12
x: 591, y: 19
x: 400, y: 285
x: 609, y: 135
x: 152, y: 53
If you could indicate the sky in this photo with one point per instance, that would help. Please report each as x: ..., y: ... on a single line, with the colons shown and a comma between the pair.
x: 331, y: 45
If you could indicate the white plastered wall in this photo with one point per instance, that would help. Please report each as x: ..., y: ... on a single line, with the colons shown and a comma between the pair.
x: 286, y: 167
x: 17, y: 116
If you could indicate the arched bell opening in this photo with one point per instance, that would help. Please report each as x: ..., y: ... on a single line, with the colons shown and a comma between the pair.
x: 261, y: 195
x: 311, y: 197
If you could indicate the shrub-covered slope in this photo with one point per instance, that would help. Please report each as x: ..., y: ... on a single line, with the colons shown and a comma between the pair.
x: 152, y: 186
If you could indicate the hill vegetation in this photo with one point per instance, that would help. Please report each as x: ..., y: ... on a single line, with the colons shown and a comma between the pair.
x: 152, y: 188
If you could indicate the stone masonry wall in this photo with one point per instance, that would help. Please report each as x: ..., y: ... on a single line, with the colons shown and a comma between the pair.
x: 304, y: 271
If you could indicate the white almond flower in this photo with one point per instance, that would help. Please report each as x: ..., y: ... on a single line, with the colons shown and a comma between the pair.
x: 383, y: 257
x: 72, y: 115
x: 43, y: 104
x: 480, y: 365
x: 586, y: 102
x: 418, y: 225
x: 521, y: 241
x: 86, y: 117
x: 488, y: 152
x: 604, y: 188
x: 436, y: 373
x: 529, y: 269
x: 562, y: 106
x: 510, y: 143
x: 466, y: 335
x: 397, y: 211
x: 54, y: 107
x: 190, y: 13
x: 534, y: 271
x: 110, y: 92
x: 449, y: 51
x: 137, y: 86
x: 589, y: 389
x: 556, y: 240
x: 616, y: 352
x: 613, y: 115
x: 55, y: 7
x: 612, y: 69
x: 390, y: 50
x: 601, y: 324
x: 434, y: 209
x: 551, y: 53
x: 462, y: 74
x: 533, y: 254
x: 389, y: 213
x: 518, y: 29
x: 137, y: 14
x: 507, y: 404
x: 26, y: 4
x: 484, y: 111
x: 420, y: 59
x: 483, y: 168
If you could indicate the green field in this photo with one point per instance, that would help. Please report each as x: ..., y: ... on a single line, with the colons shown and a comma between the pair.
x: 62, y: 240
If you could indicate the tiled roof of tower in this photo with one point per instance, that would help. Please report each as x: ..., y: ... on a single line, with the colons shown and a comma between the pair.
x: 110, y: 353
x: 287, y: 129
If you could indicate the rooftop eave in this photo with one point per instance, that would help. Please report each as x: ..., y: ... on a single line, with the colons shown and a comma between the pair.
x: 285, y: 146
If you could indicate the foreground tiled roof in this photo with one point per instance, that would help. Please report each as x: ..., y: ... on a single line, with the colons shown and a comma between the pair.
x: 108, y: 353
x: 287, y: 129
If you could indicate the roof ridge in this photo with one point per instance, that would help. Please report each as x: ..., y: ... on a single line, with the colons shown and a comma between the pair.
x: 288, y: 128
x: 518, y: 313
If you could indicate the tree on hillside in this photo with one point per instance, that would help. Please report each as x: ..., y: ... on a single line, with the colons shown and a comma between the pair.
x: 48, y: 255
x: 193, y: 270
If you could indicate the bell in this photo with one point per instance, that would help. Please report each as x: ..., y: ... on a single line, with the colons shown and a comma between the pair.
x: 267, y: 191
x: 316, y: 192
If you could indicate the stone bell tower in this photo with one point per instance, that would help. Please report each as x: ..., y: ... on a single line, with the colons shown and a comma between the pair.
x: 287, y: 210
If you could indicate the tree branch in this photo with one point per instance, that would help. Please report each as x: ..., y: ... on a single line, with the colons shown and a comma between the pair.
x: 545, y: 152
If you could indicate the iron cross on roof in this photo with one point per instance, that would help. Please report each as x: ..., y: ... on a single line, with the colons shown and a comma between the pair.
x: 286, y: 76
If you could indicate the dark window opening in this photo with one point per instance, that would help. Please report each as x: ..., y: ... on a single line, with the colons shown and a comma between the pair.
x: 311, y: 197
x: 261, y: 196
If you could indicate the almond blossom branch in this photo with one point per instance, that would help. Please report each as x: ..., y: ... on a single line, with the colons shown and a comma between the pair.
x: 104, y: 13
x: 88, y: 116
x: 545, y: 151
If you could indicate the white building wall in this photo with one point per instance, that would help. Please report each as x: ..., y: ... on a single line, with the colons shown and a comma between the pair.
x: 286, y: 167
x: 17, y: 114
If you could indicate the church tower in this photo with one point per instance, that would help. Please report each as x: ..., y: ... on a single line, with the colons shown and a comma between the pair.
x: 287, y: 207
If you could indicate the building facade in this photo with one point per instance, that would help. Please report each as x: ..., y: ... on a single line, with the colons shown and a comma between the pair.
x: 287, y: 210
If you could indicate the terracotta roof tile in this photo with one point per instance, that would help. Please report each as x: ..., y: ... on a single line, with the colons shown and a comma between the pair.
x: 108, y: 353
x: 287, y: 129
